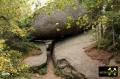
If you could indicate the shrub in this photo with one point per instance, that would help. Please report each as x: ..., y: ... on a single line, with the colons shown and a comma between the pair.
x: 58, y: 71
x: 11, y: 66
x: 41, y: 70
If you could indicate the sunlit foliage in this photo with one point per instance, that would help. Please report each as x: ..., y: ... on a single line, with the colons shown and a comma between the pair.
x: 11, y: 66
x: 15, y: 16
x: 106, y: 22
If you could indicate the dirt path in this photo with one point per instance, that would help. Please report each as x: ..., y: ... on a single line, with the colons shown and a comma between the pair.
x: 50, y: 72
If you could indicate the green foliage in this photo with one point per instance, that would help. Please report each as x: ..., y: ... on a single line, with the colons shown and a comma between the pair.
x: 42, y: 70
x: 106, y: 23
x: 59, y: 4
x: 11, y: 66
x: 15, y: 23
x: 21, y: 45
x: 15, y: 26
x: 2, y: 44
x: 11, y: 12
x: 69, y: 22
x: 82, y: 21
x: 90, y: 4
x: 58, y: 71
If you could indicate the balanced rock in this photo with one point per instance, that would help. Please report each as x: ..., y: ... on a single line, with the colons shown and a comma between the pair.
x: 54, y: 25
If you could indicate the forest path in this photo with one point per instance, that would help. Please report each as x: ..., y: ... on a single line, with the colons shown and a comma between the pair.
x: 50, y: 71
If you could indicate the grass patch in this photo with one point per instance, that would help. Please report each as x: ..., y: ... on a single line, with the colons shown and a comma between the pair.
x: 42, y: 70
x: 58, y: 71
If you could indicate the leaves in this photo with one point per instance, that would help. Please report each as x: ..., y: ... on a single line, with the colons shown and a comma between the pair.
x: 11, y: 64
x: 15, y: 18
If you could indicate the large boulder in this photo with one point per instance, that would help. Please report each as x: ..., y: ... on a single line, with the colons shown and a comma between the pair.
x: 53, y: 26
x: 70, y: 57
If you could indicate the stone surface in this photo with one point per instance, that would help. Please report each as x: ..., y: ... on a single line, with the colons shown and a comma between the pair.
x: 49, y: 75
x: 53, y: 26
x: 72, y: 51
x: 37, y: 60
